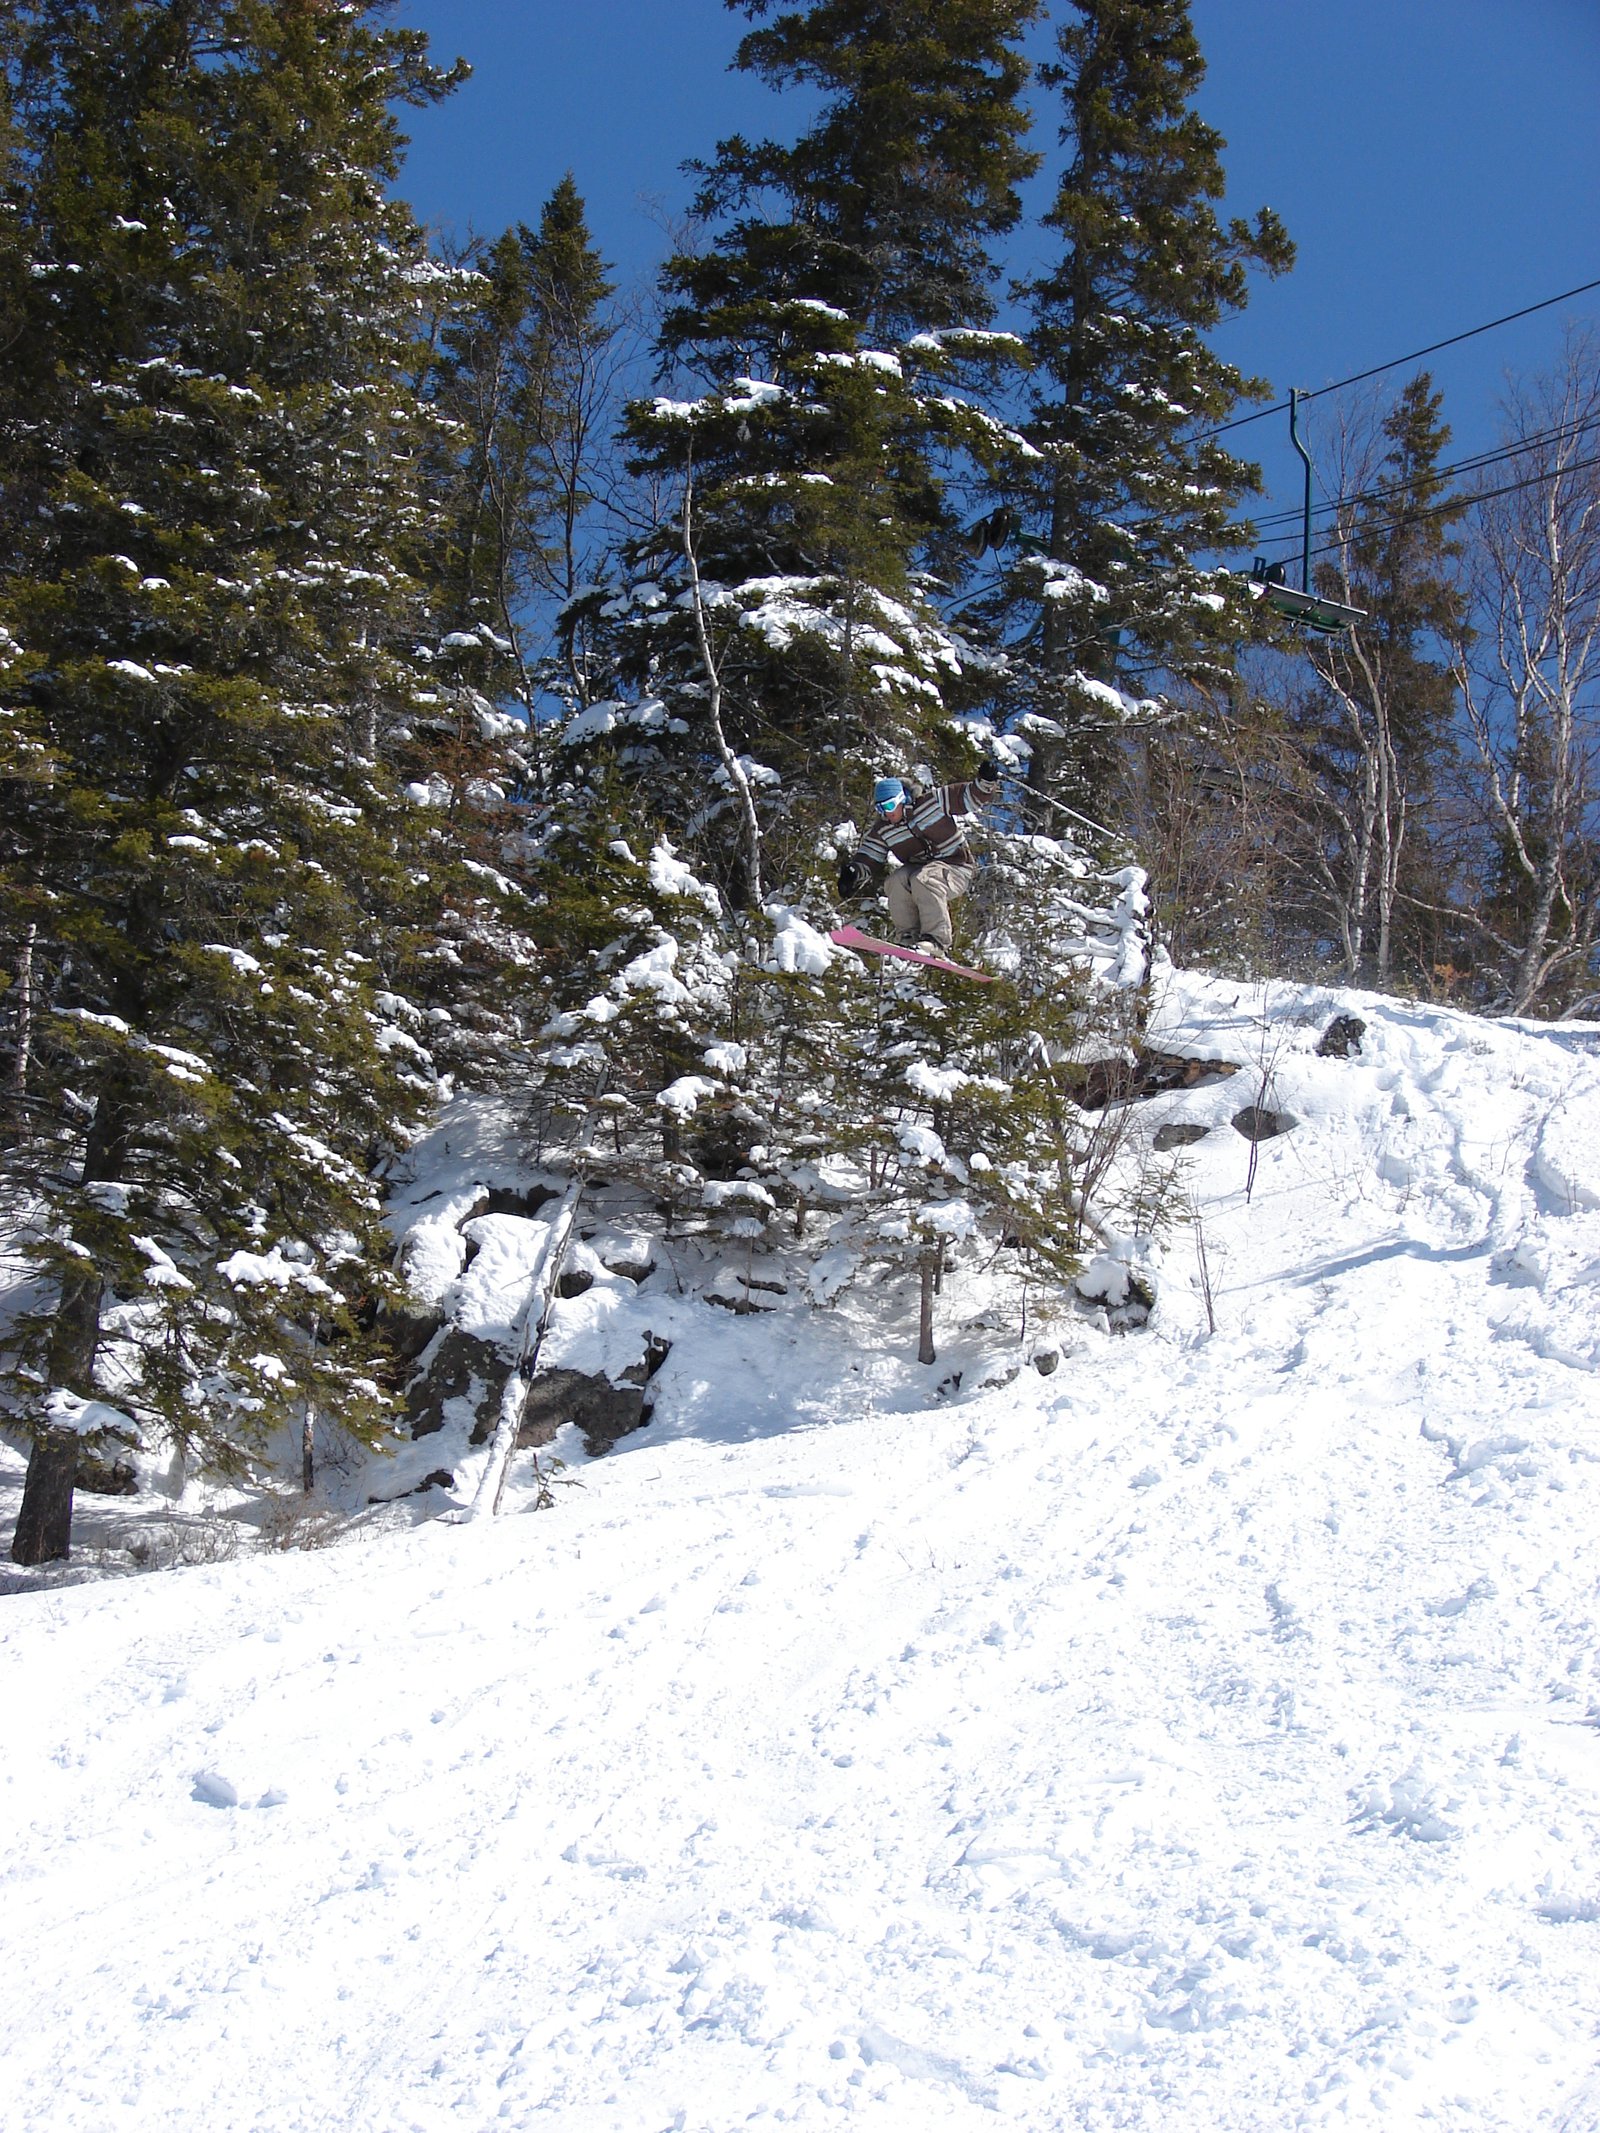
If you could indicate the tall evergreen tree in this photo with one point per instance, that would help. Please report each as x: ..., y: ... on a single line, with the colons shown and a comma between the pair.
x: 19, y: 357
x: 888, y: 203
x: 217, y: 609
x: 21, y: 380
x: 796, y: 1112
x: 570, y: 363
x: 525, y: 378
x: 830, y: 327
x: 1130, y: 494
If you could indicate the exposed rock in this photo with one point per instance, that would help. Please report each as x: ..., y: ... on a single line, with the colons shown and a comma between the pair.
x: 1342, y: 1036
x: 526, y: 1204
x: 1257, y: 1123
x: 460, y: 1363
x: 101, y: 1476
x: 442, y: 1478
x: 629, y: 1257
x: 1181, y: 1133
x: 1145, y: 1072
x: 1047, y: 1361
x: 605, y: 1411
x: 410, y: 1327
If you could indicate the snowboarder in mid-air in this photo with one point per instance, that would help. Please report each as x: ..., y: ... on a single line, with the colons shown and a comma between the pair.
x: 922, y: 845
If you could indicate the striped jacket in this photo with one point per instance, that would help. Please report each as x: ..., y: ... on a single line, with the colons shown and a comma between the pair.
x: 930, y: 828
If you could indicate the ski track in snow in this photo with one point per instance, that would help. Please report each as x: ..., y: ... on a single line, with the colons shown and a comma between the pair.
x: 1204, y: 1737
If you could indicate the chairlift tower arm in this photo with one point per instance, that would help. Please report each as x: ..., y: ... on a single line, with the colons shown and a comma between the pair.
x: 1330, y: 618
x: 1296, y: 394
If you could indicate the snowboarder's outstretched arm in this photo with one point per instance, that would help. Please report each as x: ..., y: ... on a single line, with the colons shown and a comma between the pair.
x: 967, y: 795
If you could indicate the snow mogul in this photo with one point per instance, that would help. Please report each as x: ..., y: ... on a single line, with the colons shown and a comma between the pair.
x: 922, y: 846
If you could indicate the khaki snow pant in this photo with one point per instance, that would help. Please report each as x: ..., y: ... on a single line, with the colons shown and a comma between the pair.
x: 920, y: 898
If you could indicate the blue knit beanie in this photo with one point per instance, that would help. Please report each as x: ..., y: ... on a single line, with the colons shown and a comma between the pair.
x: 887, y: 789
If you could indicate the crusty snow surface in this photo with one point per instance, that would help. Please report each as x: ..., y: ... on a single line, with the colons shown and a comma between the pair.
x: 1206, y: 1736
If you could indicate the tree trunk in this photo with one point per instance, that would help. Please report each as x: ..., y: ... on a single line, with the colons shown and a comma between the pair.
x: 23, y: 1056
x: 1531, y: 966
x: 44, y: 1524
x: 925, y: 1347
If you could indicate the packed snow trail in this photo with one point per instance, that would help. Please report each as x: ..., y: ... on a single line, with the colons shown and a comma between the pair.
x: 1201, y: 1737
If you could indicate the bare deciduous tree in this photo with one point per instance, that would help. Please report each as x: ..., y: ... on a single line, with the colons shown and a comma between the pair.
x: 1374, y: 723
x: 1530, y: 689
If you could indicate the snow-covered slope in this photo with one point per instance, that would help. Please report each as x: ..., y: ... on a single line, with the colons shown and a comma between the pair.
x: 1204, y: 1736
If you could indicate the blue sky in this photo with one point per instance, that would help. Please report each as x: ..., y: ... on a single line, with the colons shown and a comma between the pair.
x: 1436, y: 161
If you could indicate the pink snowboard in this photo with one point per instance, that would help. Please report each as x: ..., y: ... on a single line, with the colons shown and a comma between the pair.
x: 868, y: 944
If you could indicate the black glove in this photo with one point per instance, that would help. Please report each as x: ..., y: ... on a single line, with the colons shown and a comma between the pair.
x: 855, y: 878
x: 990, y: 771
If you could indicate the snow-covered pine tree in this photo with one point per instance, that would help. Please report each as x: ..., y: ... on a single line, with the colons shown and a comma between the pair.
x: 801, y: 1118
x: 19, y: 370
x: 940, y: 1122
x: 640, y: 994
x: 523, y: 348
x: 218, y: 608
x: 894, y: 194
x: 1130, y: 496
x: 22, y: 742
x: 821, y: 341
x: 785, y: 634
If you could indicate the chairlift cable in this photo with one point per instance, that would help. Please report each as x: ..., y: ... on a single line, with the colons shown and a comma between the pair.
x: 1394, y: 363
x: 1529, y: 481
x: 1476, y: 464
